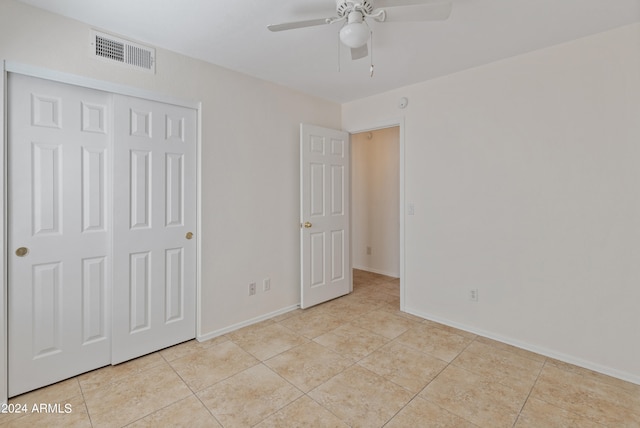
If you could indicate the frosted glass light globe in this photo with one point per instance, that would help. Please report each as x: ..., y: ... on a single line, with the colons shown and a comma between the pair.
x: 354, y: 35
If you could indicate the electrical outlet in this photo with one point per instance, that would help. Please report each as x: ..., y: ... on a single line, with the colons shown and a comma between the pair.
x: 473, y: 294
x: 252, y: 288
x: 266, y: 284
x: 368, y: 251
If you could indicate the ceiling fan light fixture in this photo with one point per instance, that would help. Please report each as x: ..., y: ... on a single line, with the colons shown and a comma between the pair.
x: 354, y: 35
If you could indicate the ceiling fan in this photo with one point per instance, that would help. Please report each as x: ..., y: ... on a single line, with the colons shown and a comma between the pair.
x: 356, y: 32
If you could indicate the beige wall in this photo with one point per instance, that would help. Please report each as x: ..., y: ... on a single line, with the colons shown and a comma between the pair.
x: 525, y: 178
x: 375, y: 206
x: 250, y: 157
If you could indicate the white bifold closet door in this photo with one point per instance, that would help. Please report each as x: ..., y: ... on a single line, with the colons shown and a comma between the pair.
x: 101, y: 195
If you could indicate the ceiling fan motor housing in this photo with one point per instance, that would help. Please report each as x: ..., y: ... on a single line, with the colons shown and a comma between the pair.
x: 344, y: 7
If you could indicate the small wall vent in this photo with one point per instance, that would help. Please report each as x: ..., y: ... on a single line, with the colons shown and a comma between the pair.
x: 111, y: 48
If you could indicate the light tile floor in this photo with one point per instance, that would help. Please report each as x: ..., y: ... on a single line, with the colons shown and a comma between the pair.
x: 355, y: 361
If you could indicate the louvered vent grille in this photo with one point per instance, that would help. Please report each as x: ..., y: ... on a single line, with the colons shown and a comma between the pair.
x: 123, y: 51
x: 139, y: 57
x: 109, y: 49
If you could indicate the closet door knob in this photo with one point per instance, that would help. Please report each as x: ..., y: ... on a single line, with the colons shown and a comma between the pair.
x: 189, y: 235
x: 22, y: 251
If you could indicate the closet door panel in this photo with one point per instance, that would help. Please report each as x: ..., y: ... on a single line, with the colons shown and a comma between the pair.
x: 58, y: 232
x: 154, y: 192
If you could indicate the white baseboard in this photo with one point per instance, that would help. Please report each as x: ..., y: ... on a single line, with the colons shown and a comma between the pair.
x: 628, y: 377
x: 378, y: 271
x: 234, y: 327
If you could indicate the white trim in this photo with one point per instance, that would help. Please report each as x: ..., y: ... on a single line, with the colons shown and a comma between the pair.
x: 399, y: 122
x: 198, y: 219
x: 86, y: 82
x: 234, y: 327
x: 628, y: 377
x: 76, y: 80
x: 378, y: 271
x: 4, y: 391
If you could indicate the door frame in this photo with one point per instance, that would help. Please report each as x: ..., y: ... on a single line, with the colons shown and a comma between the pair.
x: 375, y: 125
x: 115, y: 88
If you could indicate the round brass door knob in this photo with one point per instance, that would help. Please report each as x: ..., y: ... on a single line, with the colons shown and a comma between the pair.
x: 307, y: 225
x: 189, y: 235
x: 22, y: 251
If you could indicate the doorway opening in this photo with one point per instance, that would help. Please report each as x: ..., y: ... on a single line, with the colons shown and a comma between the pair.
x: 375, y: 203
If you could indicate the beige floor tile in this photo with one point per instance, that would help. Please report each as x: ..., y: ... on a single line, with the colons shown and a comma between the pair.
x: 311, y: 324
x: 352, y: 342
x: 60, y: 392
x: 190, y: 347
x: 346, y: 308
x: 377, y: 298
x: 248, y: 397
x: 588, y: 397
x: 308, y: 365
x: 537, y: 414
x: 384, y: 323
x: 509, y: 348
x: 366, y: 362
x: 141, y: 394
x: 388, y: 302
x: 366, y: 277
x: 188, y: 413
x: 361, y: 398
x: 109, y: 374
x: 204, y: 368
x: 271, y: 340
x: 378, y: 279
x: 502, y: 366
x: 70, y: 412
x: 304, y: 412
x: 612, y: 381
x: 425, y: 414
x: 391, y: 304
x: 437, y: 342
x: 405, y: 366
x: 391, y: 287
x: 450, y: 329
x: 249, y: 330
x: 477, y: 399
x: 406, y: 315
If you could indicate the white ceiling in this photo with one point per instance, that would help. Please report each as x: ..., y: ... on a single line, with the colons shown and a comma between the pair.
x: 233, y: 34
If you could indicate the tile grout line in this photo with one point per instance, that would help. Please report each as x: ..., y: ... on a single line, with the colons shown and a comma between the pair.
x: 547, y: 361
x: 530, y: 392
x: 84, y: 401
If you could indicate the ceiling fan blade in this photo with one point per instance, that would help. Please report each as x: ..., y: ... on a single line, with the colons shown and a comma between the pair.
x: 425, y: 12
x: 298, y: 24
x: 394, y: 3
x: 361, y: 52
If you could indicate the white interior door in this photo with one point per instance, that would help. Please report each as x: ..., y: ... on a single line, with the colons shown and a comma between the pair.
x: 154, y: 226
x: 58, y: 232
x: 324, y: 218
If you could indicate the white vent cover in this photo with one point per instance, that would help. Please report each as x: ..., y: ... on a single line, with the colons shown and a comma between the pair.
x: 111, y: 48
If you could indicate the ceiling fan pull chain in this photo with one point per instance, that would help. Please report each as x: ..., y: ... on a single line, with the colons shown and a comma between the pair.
x: 339, y: 43
x: 371, y: 56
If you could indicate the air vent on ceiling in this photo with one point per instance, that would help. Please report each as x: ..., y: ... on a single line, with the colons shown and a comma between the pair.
x: 111, y: 48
